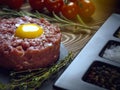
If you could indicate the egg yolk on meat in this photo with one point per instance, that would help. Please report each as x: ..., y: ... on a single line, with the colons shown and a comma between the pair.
x: 29, y: 30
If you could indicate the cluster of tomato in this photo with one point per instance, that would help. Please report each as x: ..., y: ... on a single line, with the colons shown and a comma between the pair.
x: 14, y: 4
x: 69, y: 9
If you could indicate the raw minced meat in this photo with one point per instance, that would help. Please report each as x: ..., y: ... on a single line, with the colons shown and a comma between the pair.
x: 21, y: 54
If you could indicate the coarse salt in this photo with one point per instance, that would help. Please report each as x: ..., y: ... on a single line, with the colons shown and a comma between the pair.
x: 112, y: 53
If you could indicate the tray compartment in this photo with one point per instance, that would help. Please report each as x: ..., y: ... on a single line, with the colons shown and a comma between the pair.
x: 111, y: 51
x: 117, y: 33
x: 103, y: 75
x: 94, y: 71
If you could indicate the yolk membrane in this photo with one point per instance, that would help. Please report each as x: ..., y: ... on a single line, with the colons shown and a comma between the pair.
x: 29, y: 30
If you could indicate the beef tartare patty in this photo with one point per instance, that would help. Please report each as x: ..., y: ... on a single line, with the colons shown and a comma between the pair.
x: 21, y: 54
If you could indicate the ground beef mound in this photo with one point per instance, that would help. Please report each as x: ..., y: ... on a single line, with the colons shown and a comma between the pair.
x: 22, y: 54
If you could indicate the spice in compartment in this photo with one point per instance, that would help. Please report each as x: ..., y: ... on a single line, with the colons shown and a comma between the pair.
x: 103, y: 75
x: 111, y: 51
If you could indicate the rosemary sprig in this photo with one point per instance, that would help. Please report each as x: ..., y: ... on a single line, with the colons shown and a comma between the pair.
x: 61, y: 21
x: 31, y: 79
x: 66, y: 21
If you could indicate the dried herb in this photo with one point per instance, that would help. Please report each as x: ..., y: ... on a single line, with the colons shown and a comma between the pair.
x: 32, y: 79
x: 60, y: 20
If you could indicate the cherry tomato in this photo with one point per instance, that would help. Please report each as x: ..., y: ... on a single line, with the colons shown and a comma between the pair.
x: 54, y: 5
x: 14, y: 4
x: 1, y: 2
x: 69, y: 10
x: 75, y: 1
x: 37, y: 4
x: 86, y: 8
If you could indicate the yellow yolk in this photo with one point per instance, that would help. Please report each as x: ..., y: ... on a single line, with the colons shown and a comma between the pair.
x: 29, y: 31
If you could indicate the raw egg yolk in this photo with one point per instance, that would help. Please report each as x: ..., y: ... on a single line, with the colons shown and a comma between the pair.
x: 28, y: 31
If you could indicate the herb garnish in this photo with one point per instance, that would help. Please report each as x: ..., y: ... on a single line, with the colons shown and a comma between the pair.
x: 32, y: 79
x: 63, y: 22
